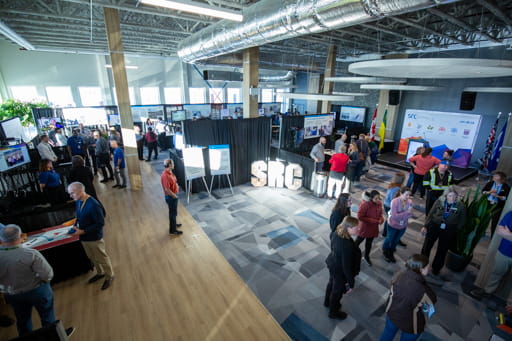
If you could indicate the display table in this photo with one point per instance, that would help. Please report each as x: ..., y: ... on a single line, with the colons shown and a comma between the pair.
x: 64, y: 252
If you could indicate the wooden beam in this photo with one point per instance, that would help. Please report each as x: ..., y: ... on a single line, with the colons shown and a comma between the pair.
x: 251, y: 60
x: 330, y: 69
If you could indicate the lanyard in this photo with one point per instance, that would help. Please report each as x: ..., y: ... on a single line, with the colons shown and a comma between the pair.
x: 83, y: 204
x: 447, y: 209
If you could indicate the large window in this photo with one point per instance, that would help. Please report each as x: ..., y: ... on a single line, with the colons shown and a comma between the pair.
x: 234, y: 95
x: 267, y: 95
x: 149, y: 95
x: 25, y: 93
x: 216, y: 95
x: 60, y: 96
x: 197, y: 95
x: 173, y: 96
x: 279, y: 98
x: 91, y: 96
x: 131, y: 93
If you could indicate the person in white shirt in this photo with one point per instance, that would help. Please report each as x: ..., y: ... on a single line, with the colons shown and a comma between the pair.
x: 45, y: 149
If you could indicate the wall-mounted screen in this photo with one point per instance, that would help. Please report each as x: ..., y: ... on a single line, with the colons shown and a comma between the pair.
x: 352, y: 114
x: 13, y: 156
x: 179, y: 115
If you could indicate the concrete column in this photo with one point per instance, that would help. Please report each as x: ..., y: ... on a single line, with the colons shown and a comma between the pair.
x: 115, y: 46
x: 330, y: 67
x: 251, y: 75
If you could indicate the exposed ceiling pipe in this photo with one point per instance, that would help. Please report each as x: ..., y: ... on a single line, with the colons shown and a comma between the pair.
x: 273, y: 20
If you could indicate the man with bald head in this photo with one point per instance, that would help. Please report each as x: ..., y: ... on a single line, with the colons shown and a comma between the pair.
x: 90, y: 219
x: 318, y: 154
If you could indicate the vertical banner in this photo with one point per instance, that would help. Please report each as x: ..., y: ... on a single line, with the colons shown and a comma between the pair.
x: 194, y: 163
x: 220, y: 162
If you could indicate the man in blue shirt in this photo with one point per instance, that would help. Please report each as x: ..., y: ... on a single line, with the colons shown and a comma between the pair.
x: 76, y: 145
x: 503, y: 260
x: 119, y: 165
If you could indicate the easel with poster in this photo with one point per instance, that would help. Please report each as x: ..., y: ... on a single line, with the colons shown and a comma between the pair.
x: 194, y: 168
x: 220, y: 163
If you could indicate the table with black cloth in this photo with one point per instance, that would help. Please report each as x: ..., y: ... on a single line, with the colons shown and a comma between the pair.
x: 67, y: 257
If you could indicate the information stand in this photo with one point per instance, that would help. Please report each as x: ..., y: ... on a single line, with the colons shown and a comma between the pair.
x: 220, y: 163
x: 194, y: 168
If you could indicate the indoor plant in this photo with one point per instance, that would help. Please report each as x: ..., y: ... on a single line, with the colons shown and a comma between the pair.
x: 478, y: 216
x: 14, y: 108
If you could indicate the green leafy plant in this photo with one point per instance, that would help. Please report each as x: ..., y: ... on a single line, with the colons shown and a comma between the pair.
x: 478, y: 216
x: 13, y: 108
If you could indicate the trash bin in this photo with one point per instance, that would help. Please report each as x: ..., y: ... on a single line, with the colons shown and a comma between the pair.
x: 320, y: 185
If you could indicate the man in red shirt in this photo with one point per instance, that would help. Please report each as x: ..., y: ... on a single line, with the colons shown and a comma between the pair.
x: 170, y: 187
x: 339, y: 162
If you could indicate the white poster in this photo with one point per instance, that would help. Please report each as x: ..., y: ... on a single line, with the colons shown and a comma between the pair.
x: 141, y: 112
x: 318, y: 125
x: 194, y: 162
x: 455, y: 130
x: 220, y: 162
x: 85, y: 116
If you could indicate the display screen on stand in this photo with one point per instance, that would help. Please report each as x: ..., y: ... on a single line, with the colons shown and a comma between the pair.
x: 13, y: 156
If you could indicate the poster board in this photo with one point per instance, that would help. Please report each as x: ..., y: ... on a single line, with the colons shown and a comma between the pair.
x: 12, y: 128
x: 147, y: 111
x: 194, y: 163
x: 114, y: 120
x: 456, y: 130
x: 352, y: 114
x: 411, y: 149
x: 85, y: 116
x: 220, y: 161
x: 318, y: 125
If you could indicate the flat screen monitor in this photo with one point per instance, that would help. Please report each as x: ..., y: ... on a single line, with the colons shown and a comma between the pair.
x: 13, y: 156
x: 352, y: 114
x: 13, y: 129
x: 179, y: 115
x: 411, y: 149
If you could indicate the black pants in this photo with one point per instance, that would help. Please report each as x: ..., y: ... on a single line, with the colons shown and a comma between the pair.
x: 418, y: 183
x: 431, y: 198
x: 104, y: 162
x: 367, y: 245
x: 92, y: 154
x: 334, y: 291
x: 446, y: 237
x: 140, y: 149
x: 152, y: 147
x: 172, y: 204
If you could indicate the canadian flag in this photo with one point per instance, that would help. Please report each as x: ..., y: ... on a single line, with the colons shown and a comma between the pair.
x: 374, y: 125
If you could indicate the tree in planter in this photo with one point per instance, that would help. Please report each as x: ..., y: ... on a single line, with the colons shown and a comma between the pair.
x: 13, y: 108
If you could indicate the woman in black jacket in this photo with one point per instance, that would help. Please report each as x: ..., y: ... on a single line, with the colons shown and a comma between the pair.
x: 79, y: 172
x: 410, y: 299
x: 344, y: 263
x: 497, y: 190
x: 340, y: 211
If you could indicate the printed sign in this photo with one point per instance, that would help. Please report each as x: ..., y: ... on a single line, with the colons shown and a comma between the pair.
x: 220, y: 162
x: 194, y: 163
x: 318, y: 125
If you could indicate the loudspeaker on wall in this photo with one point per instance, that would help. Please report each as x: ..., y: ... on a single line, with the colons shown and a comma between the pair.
x: 394, y: 97
x: 467, y: 100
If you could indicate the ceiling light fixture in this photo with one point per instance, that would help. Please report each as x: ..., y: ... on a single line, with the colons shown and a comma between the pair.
x: 134, y: 67
x: 355, y: 94
x: 15, y: 37
x: 316, y: 97
x: 489, y: 89
x: 401, y: 87
x: 365, y: 80
x: 196, y: 8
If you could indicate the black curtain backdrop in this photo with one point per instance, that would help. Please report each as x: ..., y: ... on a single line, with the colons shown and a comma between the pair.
x: 249, y: 141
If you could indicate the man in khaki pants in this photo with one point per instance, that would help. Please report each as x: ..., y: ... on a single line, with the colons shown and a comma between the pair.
x: 90, y: 219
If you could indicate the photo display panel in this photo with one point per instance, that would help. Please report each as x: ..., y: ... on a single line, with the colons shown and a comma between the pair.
x: 13, y: 156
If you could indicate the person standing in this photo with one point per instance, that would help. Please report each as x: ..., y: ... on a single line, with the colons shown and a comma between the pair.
x: 60, y: 139
x: 151, y: 142
x: 119, y: 165
x: 170, y: 187
x: 344, y: 263
x: 103, y: 157
x: 339, y: 162
x: 354, y: 160
x: 25, y: 277
x: 497, y: 190
x: 364, y: 149
x: 76, y: 145
x: 49, y: 182
x: 410, y: 298
x: 422, y: 164
x: 90, y: 220
x: 401, y: 211
x: 80, y: 173
x: 447, y: 216
x: 410, y: 180
x: 370, y: 217
x: 318, y: 154
x: 45, y: 149
x: 392, y: 193
x: 435, y: 182
x: 342, y: 141
x: 340, y: 211
x: 140, y: 142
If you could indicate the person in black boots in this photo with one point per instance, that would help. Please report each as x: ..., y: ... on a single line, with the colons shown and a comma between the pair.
x: 344, y: 263
x: 103, y: 157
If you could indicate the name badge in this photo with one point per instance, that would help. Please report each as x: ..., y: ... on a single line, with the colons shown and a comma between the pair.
x: 442, y: 226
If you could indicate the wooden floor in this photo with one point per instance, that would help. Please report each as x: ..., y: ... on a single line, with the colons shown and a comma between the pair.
x: 165, y: 288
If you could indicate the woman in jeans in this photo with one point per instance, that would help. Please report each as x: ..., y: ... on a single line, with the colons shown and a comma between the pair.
x: 398, y: 218
x: 422, y: 164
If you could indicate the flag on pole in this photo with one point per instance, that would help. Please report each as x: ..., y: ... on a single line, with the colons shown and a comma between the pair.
x: 382, y: 130
x: 493, y: 162
x: 374, y: 125
x: 489, y: 144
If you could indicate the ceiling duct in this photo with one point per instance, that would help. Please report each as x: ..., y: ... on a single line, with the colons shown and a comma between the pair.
x: 235, y: 74
x: 272, y: 20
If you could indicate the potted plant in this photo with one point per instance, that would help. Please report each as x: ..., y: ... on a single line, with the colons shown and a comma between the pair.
x: 478, y: 216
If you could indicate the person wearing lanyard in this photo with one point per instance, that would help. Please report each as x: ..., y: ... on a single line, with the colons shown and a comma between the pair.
x: 90, y: 219
x: 497, y: 190
x: 445, y: 218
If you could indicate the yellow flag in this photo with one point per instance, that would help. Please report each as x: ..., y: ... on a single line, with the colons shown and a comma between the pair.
x: 382, y: 130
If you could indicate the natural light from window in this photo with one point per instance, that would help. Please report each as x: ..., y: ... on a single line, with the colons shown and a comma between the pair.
x: 197, y: 95
x: 90, y: 96
x: 131, y: 93
x: 234, y: 95
x: 60, y: 96
x: 173, y: 96
x: 25, y: 93
x: 149, y: 95
x: 267, y: 95
x: 216, y: 95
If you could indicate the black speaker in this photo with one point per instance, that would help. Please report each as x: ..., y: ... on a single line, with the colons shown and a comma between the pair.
x: 467, y: 100
x: 205, y: 75
x: 394, y: 97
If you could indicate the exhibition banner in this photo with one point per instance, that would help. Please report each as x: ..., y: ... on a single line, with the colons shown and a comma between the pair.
x: 143, y: 112
x: 455, y: 130
x: 85, y: 116
x: 194, y: 163
x: 318, y: 125
x: 220, y: 162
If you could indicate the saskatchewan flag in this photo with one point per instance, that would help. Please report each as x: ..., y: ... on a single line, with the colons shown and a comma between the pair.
x: 382, y: 130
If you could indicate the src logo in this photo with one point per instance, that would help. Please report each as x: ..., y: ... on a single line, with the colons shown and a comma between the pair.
x: 412, y: 116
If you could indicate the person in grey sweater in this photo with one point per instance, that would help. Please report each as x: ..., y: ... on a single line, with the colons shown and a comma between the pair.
x: 317, y: 154
x: 103, y: 157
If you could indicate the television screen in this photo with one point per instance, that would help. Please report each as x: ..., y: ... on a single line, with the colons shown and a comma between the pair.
x: 353, y: 114
x: 178, y: 115
x: 13, y: 156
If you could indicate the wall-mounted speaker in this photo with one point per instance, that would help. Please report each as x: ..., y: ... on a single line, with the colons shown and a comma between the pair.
x: 394, y: 97
x: 467, y: 100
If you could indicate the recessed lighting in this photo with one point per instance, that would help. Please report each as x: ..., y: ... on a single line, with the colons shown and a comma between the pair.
x: 134, y: 67
x: 196, y: 8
